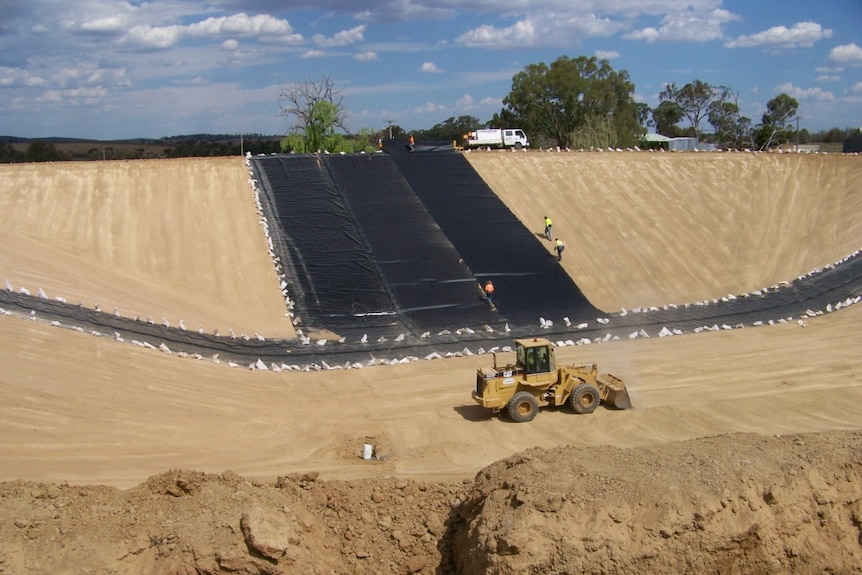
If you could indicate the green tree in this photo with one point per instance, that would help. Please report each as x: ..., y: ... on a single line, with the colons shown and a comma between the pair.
x: 365, y: 140
x: 451, y: 129
x: 666, y: 117
x: 777, y: 122
x: 582, y: 100
x: 318, y: 112
x: 41, y: 151
x: 644, y: 113
x: 731, y: 128
x: 9, y: 154
x: 505, y: 119
x: 693, y: 100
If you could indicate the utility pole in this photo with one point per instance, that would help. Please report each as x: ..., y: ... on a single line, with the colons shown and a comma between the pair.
x: 390, y: 128
x: 798, y: 117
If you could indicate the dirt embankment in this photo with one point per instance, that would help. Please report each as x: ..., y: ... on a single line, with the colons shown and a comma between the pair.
x: 730, y: 504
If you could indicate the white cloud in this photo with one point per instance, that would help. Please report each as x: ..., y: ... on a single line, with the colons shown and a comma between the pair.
x: 196, y: 81
x: 827, y: 78
x: 262, y: 26
x: 84, y: 96
x: 607, y: 54
x: 88, y: 76
x: 343, y: 38
x: 857, y: 88
x: 241, y: 25
x: 519, y: 34
x: 801, y: 34
x: 846, y: 54
x: 109, y: 24
x: 464, y: 103
x: 313, y: 54
x: 542, y: 28
x: 368, y: 56
x: 687, y: 26
x: 19, y: 77
x: 404, y: 10
x: 230, y: 45
x: 430, y: 108
x: 805, y: 93
x: 49, y: 96
x: 149, y: 37
x: 430, y: 68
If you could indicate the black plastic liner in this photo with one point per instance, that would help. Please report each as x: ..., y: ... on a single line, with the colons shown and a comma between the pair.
x: 336, y: 278
x: 530, y: 284
x: 406, y: 240
x: 430, y: 285
x: 363, y: 250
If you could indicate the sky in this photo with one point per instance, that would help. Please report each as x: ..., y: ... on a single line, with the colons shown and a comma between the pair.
x: 107, y: 69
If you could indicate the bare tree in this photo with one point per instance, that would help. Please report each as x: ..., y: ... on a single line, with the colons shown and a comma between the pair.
x: 300, y: 103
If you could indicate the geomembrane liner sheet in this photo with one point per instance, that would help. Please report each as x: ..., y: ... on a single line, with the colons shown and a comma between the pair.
x: 363, y: 250
x: 336, y: 278
x: 429, y: 284
x: 529, y: 282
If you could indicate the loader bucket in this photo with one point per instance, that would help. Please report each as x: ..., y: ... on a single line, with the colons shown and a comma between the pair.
x: 614, y: 391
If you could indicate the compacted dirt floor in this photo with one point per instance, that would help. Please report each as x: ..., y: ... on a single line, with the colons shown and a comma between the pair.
x: 743, y: 453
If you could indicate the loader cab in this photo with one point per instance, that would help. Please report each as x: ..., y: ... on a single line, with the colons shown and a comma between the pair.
x: 536, y: 357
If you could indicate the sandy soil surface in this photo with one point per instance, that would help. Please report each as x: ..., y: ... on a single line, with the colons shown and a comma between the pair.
x: 85, y: 421
x: 167, y: 239
x: 644, y: 229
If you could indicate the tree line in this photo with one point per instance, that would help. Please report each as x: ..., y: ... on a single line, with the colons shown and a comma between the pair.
x: 571, y: 103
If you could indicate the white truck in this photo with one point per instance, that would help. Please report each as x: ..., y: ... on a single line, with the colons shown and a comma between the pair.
x: 497, y: 138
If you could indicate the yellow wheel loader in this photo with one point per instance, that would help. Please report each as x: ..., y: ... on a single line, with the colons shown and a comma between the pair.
x: 535, y: 381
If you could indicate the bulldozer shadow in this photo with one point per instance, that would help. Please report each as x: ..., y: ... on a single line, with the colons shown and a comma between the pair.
x: 474, y: 412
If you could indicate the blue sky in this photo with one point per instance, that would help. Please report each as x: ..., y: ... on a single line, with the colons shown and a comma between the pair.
x: 106, y: 69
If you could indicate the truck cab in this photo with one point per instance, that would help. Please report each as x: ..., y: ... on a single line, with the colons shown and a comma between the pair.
x: 514, y: 138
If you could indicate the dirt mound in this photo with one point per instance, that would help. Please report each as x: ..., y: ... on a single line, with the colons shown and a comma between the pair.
x: 730, y: 504
x: 190, y: 522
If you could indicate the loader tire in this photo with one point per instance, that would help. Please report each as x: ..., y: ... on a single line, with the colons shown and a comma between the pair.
x: 584, y: 398
x: 523, y: 407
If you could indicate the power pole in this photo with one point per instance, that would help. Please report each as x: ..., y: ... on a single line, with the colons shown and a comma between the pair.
x: 798, y: 117
x: 390, y: 128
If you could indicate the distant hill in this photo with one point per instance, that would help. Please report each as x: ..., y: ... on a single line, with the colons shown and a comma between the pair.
x: 19, y: 149
x: 149, y: 141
